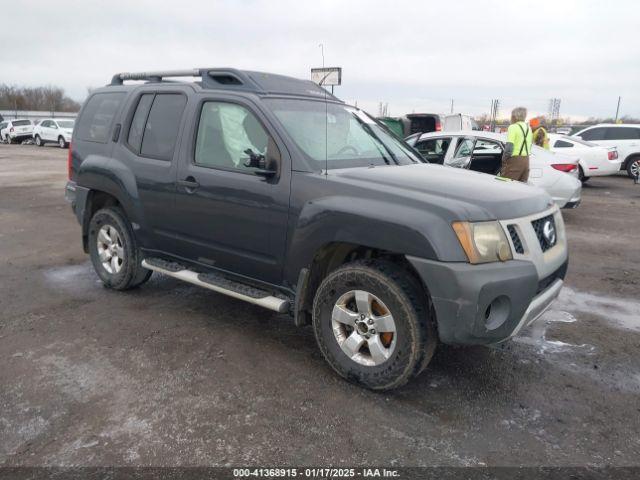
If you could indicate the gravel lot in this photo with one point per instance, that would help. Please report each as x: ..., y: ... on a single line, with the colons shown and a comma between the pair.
x: 171, y: 374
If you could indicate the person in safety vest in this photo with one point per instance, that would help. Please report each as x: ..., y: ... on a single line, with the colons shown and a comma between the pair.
x: 515, y: 159
x: 540, y: 135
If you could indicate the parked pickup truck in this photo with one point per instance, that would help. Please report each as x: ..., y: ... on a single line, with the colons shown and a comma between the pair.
x: 270, y: 190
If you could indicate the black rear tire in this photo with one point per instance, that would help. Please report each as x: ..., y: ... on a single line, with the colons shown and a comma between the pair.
x: 633, y: 167
x: 581, y: 176
x: 407, y: 302
x: 61, y: 142
x: 131, y: 273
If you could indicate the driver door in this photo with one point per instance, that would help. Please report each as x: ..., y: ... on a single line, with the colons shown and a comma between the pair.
x: 230, y: 215
x: 462, y: 154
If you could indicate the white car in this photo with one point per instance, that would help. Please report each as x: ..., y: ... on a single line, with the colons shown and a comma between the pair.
x: 52, y: 130
x: 482, y: 152
x: 593, y: 160
x: 3, y: 126
x: 17, y: 130
x: 626, y: 139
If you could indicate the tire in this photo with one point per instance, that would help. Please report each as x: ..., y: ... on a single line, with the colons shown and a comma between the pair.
x: 62, y: 143
x: 9, y: 140
x: 39, y: 141
x: 389, y: 291
x: 633, y: 167
x: 110, y: 235
x: 581, y: 176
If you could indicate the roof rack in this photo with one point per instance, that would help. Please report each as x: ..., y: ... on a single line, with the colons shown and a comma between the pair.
x: 233, y: 79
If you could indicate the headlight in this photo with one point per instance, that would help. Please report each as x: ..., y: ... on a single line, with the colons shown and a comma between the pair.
x: 483, y: 241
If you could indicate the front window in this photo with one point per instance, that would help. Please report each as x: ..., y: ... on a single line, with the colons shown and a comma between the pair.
x: 434, y: 149
x: 339, y: 135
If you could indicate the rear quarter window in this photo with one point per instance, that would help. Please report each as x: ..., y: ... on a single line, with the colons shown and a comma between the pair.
x: 623, y: 133
x: 97, y: 117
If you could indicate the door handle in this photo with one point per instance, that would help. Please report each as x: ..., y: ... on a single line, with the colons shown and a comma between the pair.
x: 190, y: 184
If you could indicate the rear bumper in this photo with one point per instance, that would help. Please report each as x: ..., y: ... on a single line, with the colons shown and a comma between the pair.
x: 489, y: 303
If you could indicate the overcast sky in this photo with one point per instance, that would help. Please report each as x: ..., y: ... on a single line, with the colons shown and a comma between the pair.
x: 414, y: 55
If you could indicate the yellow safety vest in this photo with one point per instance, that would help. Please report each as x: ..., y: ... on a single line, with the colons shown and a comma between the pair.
x: 545, y: 138
x: 519, y: 134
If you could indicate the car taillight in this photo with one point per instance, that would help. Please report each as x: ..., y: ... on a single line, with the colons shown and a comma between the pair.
x: 564, y: 167
x: 69, y: 162
x: 613, y: 154
x: 11, y: 129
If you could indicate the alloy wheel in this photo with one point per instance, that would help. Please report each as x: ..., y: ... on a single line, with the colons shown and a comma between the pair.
x: 364, y: 328
x: 110, y: 249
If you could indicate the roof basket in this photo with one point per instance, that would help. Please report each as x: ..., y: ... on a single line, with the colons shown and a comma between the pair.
x: 233, y: 79
x: 211, y: 78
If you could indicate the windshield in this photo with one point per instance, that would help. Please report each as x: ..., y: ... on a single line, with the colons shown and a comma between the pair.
x: 342, y: 136
x: 65, y: 123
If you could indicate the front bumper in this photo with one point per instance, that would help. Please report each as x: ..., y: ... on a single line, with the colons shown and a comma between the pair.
x: 489, y: 303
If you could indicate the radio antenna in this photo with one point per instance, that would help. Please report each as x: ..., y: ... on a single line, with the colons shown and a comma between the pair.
x: 326, y: 116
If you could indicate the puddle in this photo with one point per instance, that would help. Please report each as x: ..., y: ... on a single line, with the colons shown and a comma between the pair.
x: 77, y: 278
x: 619, y: 312
x: 536, y: 335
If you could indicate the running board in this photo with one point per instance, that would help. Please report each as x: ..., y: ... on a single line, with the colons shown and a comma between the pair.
x: 219, y: 284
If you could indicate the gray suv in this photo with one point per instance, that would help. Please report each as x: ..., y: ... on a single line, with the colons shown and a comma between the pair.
x: 270, y: 190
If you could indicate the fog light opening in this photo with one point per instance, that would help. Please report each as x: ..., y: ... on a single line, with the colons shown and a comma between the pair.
x: 497, y: 312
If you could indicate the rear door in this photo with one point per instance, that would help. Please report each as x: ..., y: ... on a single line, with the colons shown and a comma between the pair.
x: 148, y: 148
x: 48, y: 132
x: 228, y: 216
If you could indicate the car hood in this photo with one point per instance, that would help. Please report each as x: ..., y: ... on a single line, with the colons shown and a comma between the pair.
x: 465, y: 194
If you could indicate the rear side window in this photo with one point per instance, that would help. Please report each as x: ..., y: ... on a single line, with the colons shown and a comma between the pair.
x: 562, y: 144
x: 161, y: 129
x: 21, y: 123
x: 139, y: 119
x: 96, y: 119
x: 623, y: 133
x: 593, y: 134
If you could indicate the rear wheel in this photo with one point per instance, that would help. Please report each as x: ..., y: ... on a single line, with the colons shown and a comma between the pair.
x: 373, y: 325
x: 633, y: 167
x: 61, y: 142
x: 581, y: 176
x: 39, y: 141
x: 113, y: 250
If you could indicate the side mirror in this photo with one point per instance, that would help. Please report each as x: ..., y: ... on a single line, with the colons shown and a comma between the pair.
x: 259, y: 162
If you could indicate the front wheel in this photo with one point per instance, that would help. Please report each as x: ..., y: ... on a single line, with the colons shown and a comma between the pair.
x: 113, y: 250
x: 372, y: 324
x: 633, y: 167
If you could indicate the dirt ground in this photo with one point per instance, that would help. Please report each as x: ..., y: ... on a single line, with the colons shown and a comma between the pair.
x: 170, y: 374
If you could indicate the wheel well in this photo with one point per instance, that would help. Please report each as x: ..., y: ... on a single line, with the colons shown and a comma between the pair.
x: 329, y: 258
x: 629, y: 158
x: 95, y: 201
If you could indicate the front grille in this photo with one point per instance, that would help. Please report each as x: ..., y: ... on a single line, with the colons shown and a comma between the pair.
x: 515, y: 238
x: 545, y: 242
x: 547, y: 281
